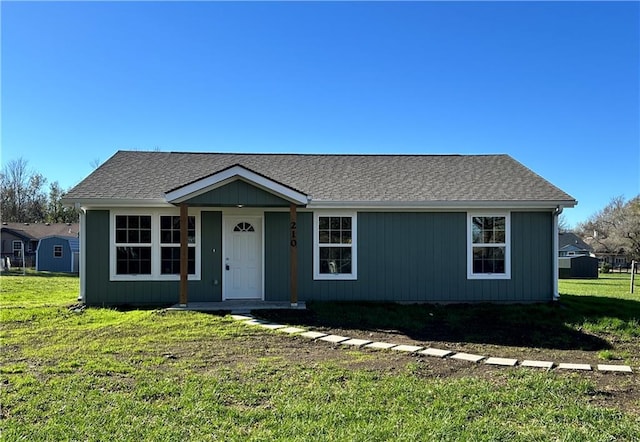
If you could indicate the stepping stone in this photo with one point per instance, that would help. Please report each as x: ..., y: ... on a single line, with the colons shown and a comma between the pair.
x: 291, y: 330
x: 241, y: 317
x: 254, y: 322
x: 356, y: 342
x: 380, y: 345
x: 272, y: 326
x: 620, y: 368
x: 313, y: 335
x: 538, y: 364
x: 334, y: 339
x: 436, y: 352
x: 467, y: 357
x: 407, y: 348
x: 501, y: 361
x: 565, y: 366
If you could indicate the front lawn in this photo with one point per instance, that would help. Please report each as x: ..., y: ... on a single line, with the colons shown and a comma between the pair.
x: 104, y: 374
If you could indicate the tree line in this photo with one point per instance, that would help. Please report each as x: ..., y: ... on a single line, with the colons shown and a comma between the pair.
x: 615, y: 228
x: 26, y: 198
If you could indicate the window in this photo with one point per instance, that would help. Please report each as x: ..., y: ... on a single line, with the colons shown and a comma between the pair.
x: 57, y: 251
x: 17, y: 249
x: 170, y: 245
x: 488, y: 253
x: 335, y: 253
x: 133, y: 244
x: 146, y: 246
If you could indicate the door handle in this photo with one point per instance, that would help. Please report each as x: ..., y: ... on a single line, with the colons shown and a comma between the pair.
x: 226, y: 266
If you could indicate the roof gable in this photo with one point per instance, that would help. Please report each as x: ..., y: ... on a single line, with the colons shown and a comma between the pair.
x: 196, y: 190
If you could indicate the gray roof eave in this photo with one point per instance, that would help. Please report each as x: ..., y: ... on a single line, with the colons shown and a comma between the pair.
x: 95, y: 203
x: 325, y: 204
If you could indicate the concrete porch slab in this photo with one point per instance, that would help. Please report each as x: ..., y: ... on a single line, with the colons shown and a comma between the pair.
x: 618, y: 368
x: 239, y: 306
x: 537, y: 364
x: 467, y: 357
x: 380, y: 345
x: 435, y: 352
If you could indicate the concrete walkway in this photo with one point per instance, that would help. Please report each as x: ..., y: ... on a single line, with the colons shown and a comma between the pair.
x: 432, y: 352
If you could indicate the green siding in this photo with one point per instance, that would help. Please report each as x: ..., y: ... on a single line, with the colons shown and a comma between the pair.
x: 411, y: 257
x: 101, y: 291
x: 414, y: 257
x: 238, y: 192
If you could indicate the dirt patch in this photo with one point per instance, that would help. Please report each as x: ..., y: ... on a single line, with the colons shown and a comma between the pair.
x: 615, y: 390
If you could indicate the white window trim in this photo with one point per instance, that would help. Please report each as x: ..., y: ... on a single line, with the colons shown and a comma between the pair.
x: 354, y: 247
x: 19, y: 249
x: 507, y: 252
x: 57, y: 246
x: 156, y: 255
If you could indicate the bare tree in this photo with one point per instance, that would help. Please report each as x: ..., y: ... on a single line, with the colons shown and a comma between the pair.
x: 563, y: 224
x: 616, y: 228
x: 14, y: 182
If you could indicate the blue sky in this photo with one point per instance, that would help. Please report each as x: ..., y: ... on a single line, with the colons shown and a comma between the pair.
x: 553, y: 84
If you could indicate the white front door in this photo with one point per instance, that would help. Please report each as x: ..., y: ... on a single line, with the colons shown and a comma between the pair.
x: 242, y: 258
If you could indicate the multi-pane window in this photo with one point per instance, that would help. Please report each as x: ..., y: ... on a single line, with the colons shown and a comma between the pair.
x: 170, y: 245
x: 17, y: 249
x: 57, y: 251
x: 147, y: 247
x: 489, y: 249
x: 335, y: 247
x: 133, y: 244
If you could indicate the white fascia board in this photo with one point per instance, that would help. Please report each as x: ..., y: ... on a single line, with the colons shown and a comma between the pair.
x: 439, y: 205
x: 106, y: 203
x: 228, y: 175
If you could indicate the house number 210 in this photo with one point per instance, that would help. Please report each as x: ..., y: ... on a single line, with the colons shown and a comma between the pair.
x: 294, y: 240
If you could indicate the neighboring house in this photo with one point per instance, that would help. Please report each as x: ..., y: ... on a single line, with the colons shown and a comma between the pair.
x: 617, y: 260
x: 16, y: 237
x: 570, y: 244
x: 58, y: 254
x: 160, y: 228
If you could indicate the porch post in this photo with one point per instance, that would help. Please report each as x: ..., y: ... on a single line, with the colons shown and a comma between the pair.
x: 184, y: 253
x: 293, y: 254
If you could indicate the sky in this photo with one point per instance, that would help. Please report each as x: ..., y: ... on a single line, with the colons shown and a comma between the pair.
x: 553, y: 84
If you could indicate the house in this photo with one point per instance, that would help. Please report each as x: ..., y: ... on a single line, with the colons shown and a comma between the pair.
x: 570, y: 244
x: 19, y: 238
x: 58, y: 253
x: 159, y: 228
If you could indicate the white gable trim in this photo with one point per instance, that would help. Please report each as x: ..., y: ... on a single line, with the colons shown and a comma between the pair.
x: 231, y: 174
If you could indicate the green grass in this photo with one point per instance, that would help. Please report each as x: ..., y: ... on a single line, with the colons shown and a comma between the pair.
x: 104, y: 374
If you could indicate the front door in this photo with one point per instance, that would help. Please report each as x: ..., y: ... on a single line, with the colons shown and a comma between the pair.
x: 242, y: 258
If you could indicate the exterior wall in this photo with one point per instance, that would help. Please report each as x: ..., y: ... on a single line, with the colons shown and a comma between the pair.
x: 407, y: 257
x: 101, y: 291
x: 414, y: 257
x: 235, y: 193
x: 45, y: 261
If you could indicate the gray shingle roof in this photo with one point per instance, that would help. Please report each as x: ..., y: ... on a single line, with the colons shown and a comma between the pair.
x: 42, y: 230
x: 348, y: 178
